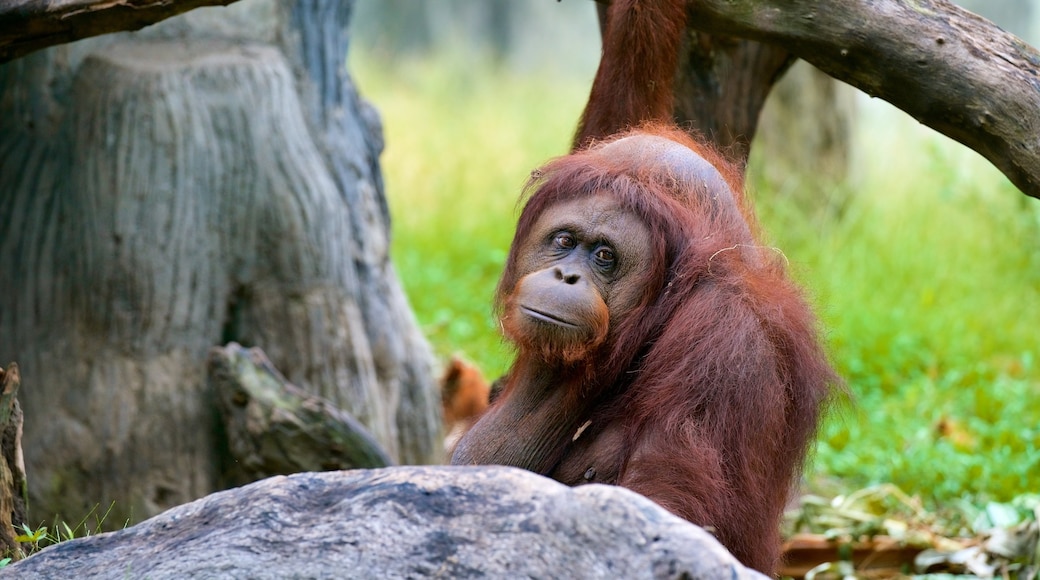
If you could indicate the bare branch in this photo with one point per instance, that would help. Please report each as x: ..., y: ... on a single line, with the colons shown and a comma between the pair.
x: 948, y: 68
x: 29, y: 25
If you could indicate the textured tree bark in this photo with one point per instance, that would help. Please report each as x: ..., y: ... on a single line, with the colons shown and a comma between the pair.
x: 275, y: 428
x: 721, y: 86
x: 948, y: 68
x: 213, y: 178
x: 29, y: 25
x: 12, y: 467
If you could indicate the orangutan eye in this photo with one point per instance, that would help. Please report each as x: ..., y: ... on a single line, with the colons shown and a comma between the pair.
x: 605, y: 258
x: 565, y: 241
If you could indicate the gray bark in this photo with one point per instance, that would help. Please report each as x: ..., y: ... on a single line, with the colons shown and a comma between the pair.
x: 275, y: 428
x: 721, y: 86
x: 12, y: 466
x: 948, y: 68
x: 212, y: 178
x: 491, y: 522
x: 29, y: 25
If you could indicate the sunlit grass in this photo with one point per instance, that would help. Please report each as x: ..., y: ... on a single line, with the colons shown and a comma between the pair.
x: 929, y: 288
x: 461, y: 140
x: 928, y: 284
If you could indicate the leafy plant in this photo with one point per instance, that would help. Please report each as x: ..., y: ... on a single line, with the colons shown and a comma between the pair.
x: 34, y: 539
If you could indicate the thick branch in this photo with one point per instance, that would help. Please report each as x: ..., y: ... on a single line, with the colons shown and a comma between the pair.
x: 950, y: 69
x: 28, y: 25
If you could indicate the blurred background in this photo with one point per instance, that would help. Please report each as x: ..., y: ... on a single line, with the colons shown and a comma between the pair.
x: 922, y: 260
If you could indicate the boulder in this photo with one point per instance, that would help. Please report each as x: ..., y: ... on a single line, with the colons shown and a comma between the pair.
x: 400, y: 522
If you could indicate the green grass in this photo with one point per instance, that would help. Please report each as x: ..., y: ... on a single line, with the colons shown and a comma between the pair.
x: 928, y: 284
x: 31, y: 540
x: 929, y: 288
x: 461, y: 140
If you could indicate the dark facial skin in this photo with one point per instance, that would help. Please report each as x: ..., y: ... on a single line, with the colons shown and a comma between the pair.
x: 579, y: 272
x: 572, y: 270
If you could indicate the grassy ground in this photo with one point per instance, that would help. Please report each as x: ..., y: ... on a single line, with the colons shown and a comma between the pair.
x: 928, y: 284
x: 929, y: 288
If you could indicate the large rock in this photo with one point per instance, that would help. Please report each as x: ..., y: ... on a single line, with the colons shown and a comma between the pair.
x: 400, y: 522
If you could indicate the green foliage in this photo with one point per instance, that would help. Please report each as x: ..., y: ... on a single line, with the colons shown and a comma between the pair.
x: 35, y: 539
x: 461, y: 140
x: 31, y: 536
x: 928, y: 282
x: 928, y: 286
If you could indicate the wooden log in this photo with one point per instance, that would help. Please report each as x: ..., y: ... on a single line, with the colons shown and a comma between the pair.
x: 275, y: 428
x: 879, y: 557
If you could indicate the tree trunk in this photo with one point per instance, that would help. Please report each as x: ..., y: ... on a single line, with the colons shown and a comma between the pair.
x: 213, y: 178
x: 804, y: 143
x: 721, y: 86
x: 718, y: 90
x: 12, y: 467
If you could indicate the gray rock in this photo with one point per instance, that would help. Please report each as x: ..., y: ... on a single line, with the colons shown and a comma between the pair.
x: 400, y: 522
